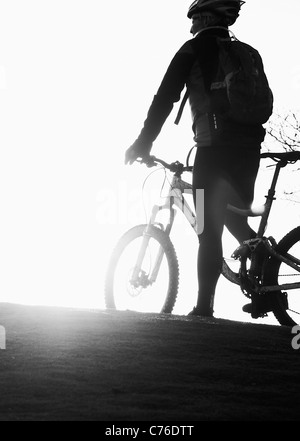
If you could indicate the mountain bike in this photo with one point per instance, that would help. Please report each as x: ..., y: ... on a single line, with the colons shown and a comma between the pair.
x: 143, y: 271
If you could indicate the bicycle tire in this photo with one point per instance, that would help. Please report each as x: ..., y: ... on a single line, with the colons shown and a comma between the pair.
x: 282, y: 314
x: 173, y: 268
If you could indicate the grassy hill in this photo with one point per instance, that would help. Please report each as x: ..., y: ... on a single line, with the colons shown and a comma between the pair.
x: 88, y: 365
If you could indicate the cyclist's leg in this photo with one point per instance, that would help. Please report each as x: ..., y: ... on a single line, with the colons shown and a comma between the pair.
x: 210, y: 252
x: 237, y: 225
x: 243, y: 176
x: 226, y: 178
x: 207, y: 175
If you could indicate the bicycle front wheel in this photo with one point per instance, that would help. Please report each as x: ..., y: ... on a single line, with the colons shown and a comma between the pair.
x: 143, y: 273
x: 286, y: 305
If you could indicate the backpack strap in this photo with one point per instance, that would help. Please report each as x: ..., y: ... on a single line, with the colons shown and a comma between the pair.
x: 183, y: 103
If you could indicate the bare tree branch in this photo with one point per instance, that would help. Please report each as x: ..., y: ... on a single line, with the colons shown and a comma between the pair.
x: 283, y: 131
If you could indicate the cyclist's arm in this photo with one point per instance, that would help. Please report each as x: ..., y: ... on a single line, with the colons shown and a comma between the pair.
x: 168, y: 93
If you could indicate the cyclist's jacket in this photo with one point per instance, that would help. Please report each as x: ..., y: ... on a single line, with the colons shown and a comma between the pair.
x: 194, y: 66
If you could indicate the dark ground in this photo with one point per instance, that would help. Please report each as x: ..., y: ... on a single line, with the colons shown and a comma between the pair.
x: 82, y: 365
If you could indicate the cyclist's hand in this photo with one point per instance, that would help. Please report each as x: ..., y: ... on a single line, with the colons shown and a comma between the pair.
x: 137, y: 150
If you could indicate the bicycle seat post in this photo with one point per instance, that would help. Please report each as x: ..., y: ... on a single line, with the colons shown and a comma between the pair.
x: 270, y: 198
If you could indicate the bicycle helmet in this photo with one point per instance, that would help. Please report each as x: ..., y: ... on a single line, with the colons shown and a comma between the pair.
x: 227, y: 9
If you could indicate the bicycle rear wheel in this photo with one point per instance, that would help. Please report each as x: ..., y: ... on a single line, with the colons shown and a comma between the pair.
x: 286, y: 306
x: 135, y: 280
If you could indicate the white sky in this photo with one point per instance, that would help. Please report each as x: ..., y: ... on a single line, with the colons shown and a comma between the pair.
x: 76, y: 80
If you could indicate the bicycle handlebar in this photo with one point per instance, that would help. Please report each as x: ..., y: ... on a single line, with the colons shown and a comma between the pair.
x: 178, y: 168
x: 175, y: 167
x: 282, y: 156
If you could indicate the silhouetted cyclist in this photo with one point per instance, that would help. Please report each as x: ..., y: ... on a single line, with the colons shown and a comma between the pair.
x: 228, y: 153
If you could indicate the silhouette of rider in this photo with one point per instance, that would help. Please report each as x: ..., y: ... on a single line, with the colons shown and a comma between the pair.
x: 228, y: 153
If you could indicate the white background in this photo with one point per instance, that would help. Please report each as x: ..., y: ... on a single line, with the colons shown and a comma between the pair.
x: 76, y: 81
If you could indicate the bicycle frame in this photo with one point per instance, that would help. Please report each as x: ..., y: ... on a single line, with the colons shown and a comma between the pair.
x: 264, y: 213
x: 175, y: 198
x: 290, y: 261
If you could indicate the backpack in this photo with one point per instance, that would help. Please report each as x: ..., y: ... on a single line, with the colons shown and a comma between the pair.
x: 240, y: 91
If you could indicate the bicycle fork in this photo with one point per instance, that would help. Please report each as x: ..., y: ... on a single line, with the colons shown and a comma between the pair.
x: 138, y: 275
